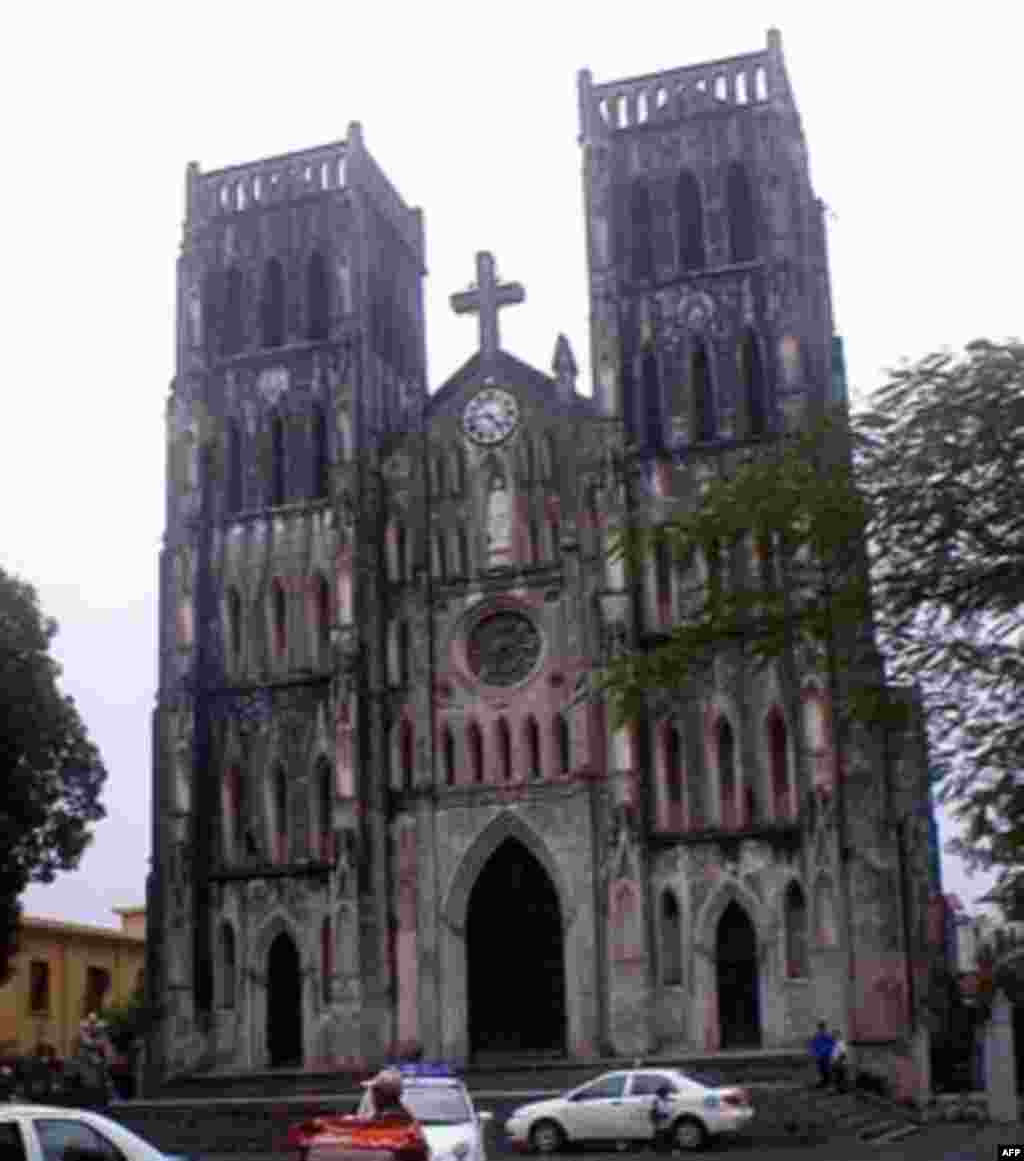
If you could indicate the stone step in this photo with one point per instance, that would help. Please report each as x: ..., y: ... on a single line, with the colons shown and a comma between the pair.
x: 899, y: 1134
x: 496, y: 1074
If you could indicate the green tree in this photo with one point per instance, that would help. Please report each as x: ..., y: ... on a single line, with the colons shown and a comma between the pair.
x: 929, y: 481
x: 940, y: 461
x: 770, y: 559
x: 52, y: 774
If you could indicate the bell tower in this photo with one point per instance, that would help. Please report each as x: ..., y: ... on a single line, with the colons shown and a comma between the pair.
x: 300, y: 351
x: 709, y: 290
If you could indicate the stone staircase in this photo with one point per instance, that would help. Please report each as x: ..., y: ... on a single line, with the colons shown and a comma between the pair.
x: 808, y: 1116
x: 504, y: 1073
x: 250, y: 1114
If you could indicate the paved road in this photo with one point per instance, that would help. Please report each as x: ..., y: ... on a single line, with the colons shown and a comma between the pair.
x: 937, y: 1143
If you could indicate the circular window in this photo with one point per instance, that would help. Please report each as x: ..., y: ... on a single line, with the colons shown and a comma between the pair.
x: 503, y: 648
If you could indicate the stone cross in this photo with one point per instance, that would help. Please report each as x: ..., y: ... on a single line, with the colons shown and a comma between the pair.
x: 485, y: 300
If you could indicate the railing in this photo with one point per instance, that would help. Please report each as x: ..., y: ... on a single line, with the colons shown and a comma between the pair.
x: 735, y: 81
x: 276, y: 179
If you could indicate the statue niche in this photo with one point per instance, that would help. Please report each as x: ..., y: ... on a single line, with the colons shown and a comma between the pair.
x: 499, y: 518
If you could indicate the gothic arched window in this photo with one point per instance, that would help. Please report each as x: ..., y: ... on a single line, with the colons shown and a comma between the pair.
x: 752, y: 384
x: 504, y: 739
x: 778, y: 759
x: 663, y: 577
x: 280, y: 816
x: 562, y: 744
x: 475, y: 744
x: 279, y: 618
x: 209, y: 308
x: 232, y: 812
x: 671, y: 941
x: 440, y: 556
x: 674, y: 764
x: 740, y: 203
x: 654, y: 433
x: 321, y: 459
x: 401, y: 553
x: 796, y: 932
x: 277, y: 458
x: 691, y: 222
x: 534, y: 532
x: 440, y: 476
x: 532, y: 730
x: 228, y: 966
x: 234, y: 626
x: 232, y: 335
x: 458, y: 471
x: 448, y: 755
x: 406, y: 755
x: 272, y: 304
x: 556, y: 537
x: 324, y: 810
x: 726, y: 746
x: 404, y: 651
x: 322, y: 612
x: 641, y: 232
x: 235, y: 481
x: 705, y: 425
x: 318, y: 304
x: 326, y: 959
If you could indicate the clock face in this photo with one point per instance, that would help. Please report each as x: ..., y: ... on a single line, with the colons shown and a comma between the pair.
x: 490, y: 416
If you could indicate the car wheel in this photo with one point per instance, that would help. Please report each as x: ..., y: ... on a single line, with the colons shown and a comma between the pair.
x: 547, y: 1137
x: 688, y: 1133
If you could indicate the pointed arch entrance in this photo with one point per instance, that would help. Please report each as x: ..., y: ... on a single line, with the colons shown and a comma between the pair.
x: 284, y: 1004
x: 738, y: 986
x: 515, y: 957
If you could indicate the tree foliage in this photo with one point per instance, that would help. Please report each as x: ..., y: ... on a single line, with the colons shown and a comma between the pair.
x: 769, y: 558
x: 928, y: 484
x: 52, y: 773
x: 940, y: 460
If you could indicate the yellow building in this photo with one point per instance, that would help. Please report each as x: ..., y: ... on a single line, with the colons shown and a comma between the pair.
x: 64, y: 971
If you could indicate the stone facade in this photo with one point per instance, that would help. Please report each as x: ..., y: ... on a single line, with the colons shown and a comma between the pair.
x: 391, y: 813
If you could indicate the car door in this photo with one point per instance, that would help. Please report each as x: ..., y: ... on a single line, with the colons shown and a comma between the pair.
x: 596, y: 1112
x: 12, y: 1143
x: 640, y: 1094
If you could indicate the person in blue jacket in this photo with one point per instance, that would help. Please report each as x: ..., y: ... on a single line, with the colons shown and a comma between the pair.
x: 821, y: 1050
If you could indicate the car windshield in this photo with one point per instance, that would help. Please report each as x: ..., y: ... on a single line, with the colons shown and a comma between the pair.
x: 430, y: 1104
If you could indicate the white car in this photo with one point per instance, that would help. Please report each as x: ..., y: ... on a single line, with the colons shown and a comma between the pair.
x: 617, y: 1106
x: 42, y: 1133
x: 442, y: 1105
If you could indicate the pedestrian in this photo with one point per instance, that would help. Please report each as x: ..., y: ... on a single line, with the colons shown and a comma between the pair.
x: 838, y: 1061
x: 386, y: 1096
x: 661, y: 1118
x: 821, y: 1050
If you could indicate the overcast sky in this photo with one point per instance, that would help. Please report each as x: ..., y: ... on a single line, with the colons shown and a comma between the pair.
x: 913, y: 121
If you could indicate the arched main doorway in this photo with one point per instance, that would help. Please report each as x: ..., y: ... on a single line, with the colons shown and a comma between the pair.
x: 515, y: 957
x: 739, y: 1015
x: 284, y: 1004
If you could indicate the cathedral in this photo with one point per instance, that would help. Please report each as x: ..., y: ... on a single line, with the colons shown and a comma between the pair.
x: 392, y: 814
